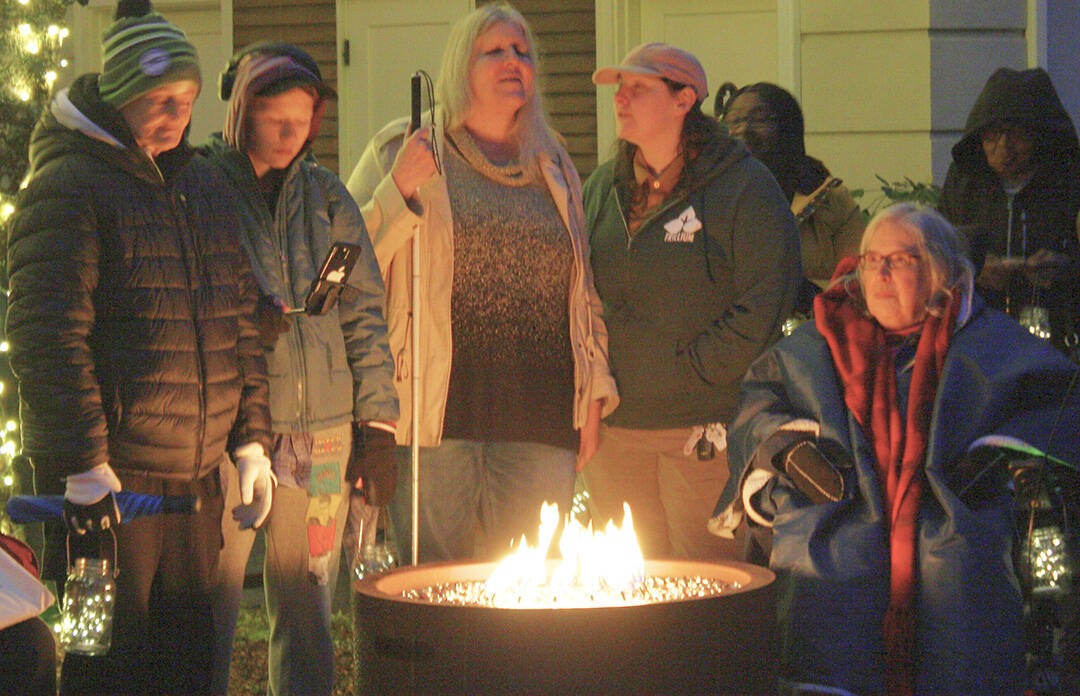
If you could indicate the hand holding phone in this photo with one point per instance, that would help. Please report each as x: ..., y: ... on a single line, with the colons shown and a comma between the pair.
x: 332, y: 278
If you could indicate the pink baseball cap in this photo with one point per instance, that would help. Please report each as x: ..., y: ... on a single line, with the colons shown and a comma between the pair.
x: 659, y: 60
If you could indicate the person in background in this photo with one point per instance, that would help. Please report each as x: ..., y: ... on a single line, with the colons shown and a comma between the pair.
x: 876, y: 444
x: 131, y: 323
x: 767, y: 119
x: 1013, y: 189
x: 511, y: 341
x: 696, y: 259
x: 331, y: 378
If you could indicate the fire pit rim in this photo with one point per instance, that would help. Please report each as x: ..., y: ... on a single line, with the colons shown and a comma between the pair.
x: 390, y: 584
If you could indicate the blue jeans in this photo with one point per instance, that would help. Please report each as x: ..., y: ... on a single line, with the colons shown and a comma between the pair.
x: 497, y: 487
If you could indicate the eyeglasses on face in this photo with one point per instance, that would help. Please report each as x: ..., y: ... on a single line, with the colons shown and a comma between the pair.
x: 896, y: 261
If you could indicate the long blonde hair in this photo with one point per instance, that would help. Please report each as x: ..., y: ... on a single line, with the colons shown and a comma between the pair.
x: 454, y: 96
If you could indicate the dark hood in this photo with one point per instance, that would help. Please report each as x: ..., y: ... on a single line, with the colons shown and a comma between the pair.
x: 1027, y: 97
x: 77, y: 121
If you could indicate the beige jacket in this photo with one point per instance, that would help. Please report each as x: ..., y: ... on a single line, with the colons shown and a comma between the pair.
x: 832, y: 232
x: 392, y: 224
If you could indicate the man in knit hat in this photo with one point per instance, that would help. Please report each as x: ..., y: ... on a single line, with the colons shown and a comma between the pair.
x: 131, y: 323
x: 331, y: 374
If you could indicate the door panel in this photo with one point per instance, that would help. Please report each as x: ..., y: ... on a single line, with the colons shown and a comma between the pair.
x: 720, y: 34
x: 388, y: 41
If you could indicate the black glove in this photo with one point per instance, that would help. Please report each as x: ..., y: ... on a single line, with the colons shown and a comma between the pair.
x: 93, y: 517
x: 271, y: 321
x: 980, y: 476
x: 373, y: 461
x: 811, y: 471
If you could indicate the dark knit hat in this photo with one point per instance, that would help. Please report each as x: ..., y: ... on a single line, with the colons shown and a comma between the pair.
x: 143, y: 50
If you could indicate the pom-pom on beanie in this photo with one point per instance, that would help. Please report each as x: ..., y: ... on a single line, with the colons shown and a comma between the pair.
x: 142, y: 50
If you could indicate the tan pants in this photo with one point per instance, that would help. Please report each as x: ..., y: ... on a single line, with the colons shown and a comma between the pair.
x: 671, y: 495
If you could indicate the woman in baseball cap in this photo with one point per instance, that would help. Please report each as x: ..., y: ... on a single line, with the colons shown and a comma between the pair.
x: 696, y: 259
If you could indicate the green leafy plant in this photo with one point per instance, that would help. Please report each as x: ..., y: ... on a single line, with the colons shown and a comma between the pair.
x: 905, y: 190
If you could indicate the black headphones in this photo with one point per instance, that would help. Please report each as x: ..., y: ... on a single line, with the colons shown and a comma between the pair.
x: 228, y: 77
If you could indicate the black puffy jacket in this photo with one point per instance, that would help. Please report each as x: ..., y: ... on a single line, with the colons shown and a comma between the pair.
x: 131, y: 303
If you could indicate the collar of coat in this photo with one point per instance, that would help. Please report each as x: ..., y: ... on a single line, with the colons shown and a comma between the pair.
x: 78, y: 120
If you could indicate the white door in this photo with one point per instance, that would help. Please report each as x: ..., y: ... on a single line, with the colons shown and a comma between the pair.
x: 739, y: 41
x: 201, y: 20
x: 381, y: 43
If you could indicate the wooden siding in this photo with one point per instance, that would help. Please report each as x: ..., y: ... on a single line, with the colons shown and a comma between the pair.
x: 309, y: 24
x: 565, y: 33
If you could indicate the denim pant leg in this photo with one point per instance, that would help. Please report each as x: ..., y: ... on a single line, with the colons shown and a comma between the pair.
x: 519, y: 477
x: 450, y: 480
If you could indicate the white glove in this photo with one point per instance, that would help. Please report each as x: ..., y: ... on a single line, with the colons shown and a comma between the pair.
x: 89, y: 501
x: 257, y: 483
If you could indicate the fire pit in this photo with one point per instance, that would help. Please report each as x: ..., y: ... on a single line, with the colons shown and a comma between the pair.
x: 718, y: 644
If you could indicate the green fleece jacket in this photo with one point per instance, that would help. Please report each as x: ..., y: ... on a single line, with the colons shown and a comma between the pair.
x: 698, y: 291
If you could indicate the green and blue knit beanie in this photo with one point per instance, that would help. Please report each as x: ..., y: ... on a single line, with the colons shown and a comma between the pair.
x: 142, y: 50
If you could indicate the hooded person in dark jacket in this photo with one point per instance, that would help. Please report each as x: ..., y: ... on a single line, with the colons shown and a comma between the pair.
x: 1014, y: 190
x: 331, y: 375
x: 696, y: 259
x: 131, y: 325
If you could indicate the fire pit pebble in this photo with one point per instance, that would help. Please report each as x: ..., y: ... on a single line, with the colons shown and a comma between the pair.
x: 652, y: 589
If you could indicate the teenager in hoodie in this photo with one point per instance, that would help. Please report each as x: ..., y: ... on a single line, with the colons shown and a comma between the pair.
x: 1013, y: 189
x: 332, y: 396
x: 696, y: 259
x: 130, y: 319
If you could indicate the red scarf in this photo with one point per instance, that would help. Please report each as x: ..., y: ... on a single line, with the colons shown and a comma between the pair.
x: 864, y: 360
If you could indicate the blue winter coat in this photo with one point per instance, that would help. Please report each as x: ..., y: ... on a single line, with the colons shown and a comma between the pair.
x: 331, y: 369
x: 832, y: 559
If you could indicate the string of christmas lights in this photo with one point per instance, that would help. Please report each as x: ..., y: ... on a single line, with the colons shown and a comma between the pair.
x: 31, y: 61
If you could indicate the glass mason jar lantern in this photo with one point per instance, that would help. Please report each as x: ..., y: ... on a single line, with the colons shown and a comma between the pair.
x: 89, y: 597
x: 372, y: 555
x: 1035, y: 319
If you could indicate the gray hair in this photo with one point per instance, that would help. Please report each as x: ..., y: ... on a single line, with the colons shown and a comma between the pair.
x: 940, y: 247
x: 454, y: 95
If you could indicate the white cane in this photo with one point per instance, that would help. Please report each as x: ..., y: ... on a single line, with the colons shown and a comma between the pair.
x: 414, y: 447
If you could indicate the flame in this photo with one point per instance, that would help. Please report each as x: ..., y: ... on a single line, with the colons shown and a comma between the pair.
x: 595, y: 568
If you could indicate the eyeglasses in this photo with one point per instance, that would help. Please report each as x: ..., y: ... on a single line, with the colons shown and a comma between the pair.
x: 896, y: 261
